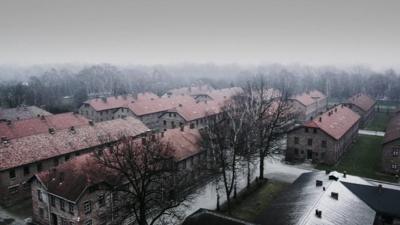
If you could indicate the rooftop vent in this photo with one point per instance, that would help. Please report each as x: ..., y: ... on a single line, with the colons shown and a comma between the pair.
x: 182, y: 128
x: 344, y: 174
x: 91, y: 123
x: 72, y: 130
x: 320, y: 119
x: 332, y: 177
x: 42, y: 117
x: 318, y: 183
x: 318, y: 213
x: 51, y: 130
x: 335, y: 195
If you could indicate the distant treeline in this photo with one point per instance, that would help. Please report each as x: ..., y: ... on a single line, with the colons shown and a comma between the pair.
x: 61, y: 89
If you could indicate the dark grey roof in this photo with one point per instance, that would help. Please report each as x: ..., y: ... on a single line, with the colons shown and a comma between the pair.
x: 298, y: 203
x: 383, y: 200
x: 208, y: 217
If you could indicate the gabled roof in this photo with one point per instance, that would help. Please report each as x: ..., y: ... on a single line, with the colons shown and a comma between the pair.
x: 29, y: 149
x: 70, y: 179
x: 37, y: 125
x: 116, y: 102
x: 335, y: 122
x: 195, y: 110
x: 221, y: 95
x: 298, y: 203
x: 383, y: 200
x: 208, y: 217
x: 184, y: 143
x: 309, y: 97
x: 363, y: 101
x: 143, y: 107
x: 393, y: 129
x: 22, y: 112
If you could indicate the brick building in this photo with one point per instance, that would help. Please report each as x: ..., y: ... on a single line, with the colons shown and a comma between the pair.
x: 325, y: 138
x: 364, y: 105
x: 23, y: 156
x: 102, y: 109
x: 308, y: 105
x: 391, y: 146
x: 72, y: 194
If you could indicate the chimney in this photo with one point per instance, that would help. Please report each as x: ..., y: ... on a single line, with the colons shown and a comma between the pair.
x: 180, y: 105
x: 91, y: 123
x: 335, y: 195
x: 9, y: 122
x: 318, y: 183
x: 320, y: 119
x: 344, y: 174
x: 335, y: 109
x: 380, y: 188
x: 104, y: 99
x: 42, y: 117
x: 182, y: 128
x: 162, y: 134
x: 191, y: 126
x: 72, y: 129
x: 51, y: 130
x: 318, y: 213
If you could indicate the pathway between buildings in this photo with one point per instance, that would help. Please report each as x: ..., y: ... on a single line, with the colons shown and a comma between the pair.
x: 372, y: 133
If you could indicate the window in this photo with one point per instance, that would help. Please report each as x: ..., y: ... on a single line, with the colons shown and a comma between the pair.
x: 67, y: 157
x: 41, y: 213
x: 306, y: 129
x: 296, y: 151
x: 296, y: 140
x: 323, y: 144
x: 309, y: 141
x: 88, y: 222
x: 12, y: 174
x: 71, y: 208
x: 100, y: 200
x: 26, y: 170
x: 172, y: 124
x: 174, y: 114
x: 62, y: 204
x: 13, y: 189
x: 169, y: 114
x: 55, y: 162
x: 87, y: 207
x: 315, y: 130
x: 39, y: 194
x: 53, y: 201
x: 77, y: 154
x: 39, y: 167
x: 394, y: 166
x: 63, y: 221
x: 396, y: 152
x: 165, y: 122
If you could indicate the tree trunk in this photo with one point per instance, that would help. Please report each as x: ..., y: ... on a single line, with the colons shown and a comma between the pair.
x: 261, y: 166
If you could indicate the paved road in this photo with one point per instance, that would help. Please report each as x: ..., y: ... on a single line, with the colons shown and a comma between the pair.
x: 372, y: 133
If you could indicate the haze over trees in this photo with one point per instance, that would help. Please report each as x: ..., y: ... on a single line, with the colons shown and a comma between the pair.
x: 64, y: 87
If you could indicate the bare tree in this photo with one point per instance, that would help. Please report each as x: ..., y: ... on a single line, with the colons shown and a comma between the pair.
x: 222, y: 138
x: 267, y: 112
x: 149, y: 181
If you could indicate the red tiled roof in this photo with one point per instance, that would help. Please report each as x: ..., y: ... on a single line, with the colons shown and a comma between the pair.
x: 115, y: 102
x: 221, y: 95
x: 335, y: 122
x: 184, y: 143
x: 29, y: 149
x: 70, y: 179
x: 363, y: 101
x: 308, y: 98
x: 393, y: 129
x: 143, y: 107
x: 37, y: 125
x: 195, y: 110
x: 22, y: 112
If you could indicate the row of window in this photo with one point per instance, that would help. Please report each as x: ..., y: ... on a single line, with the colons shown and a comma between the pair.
x: 396, y: 151
x: 310, y: 142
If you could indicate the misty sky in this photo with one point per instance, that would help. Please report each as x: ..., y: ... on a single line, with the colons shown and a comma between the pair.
x: 171, y: 31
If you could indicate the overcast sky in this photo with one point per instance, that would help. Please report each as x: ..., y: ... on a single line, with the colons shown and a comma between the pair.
x: 171, y: 31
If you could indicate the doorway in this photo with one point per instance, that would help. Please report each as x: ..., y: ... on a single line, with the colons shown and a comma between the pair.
x: 309, y: 154
x: 53, y: 219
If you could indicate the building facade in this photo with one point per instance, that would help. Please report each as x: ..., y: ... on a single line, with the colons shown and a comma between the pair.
x: 22, y: 157
x: 391, y: 146
x: 364, y: 105
x: 308, y: 104
x: 325, y: 138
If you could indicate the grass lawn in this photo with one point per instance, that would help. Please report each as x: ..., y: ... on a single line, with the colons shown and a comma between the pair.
x: 363, y: 159
x: 379, y: 122
x: 257, y: 201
